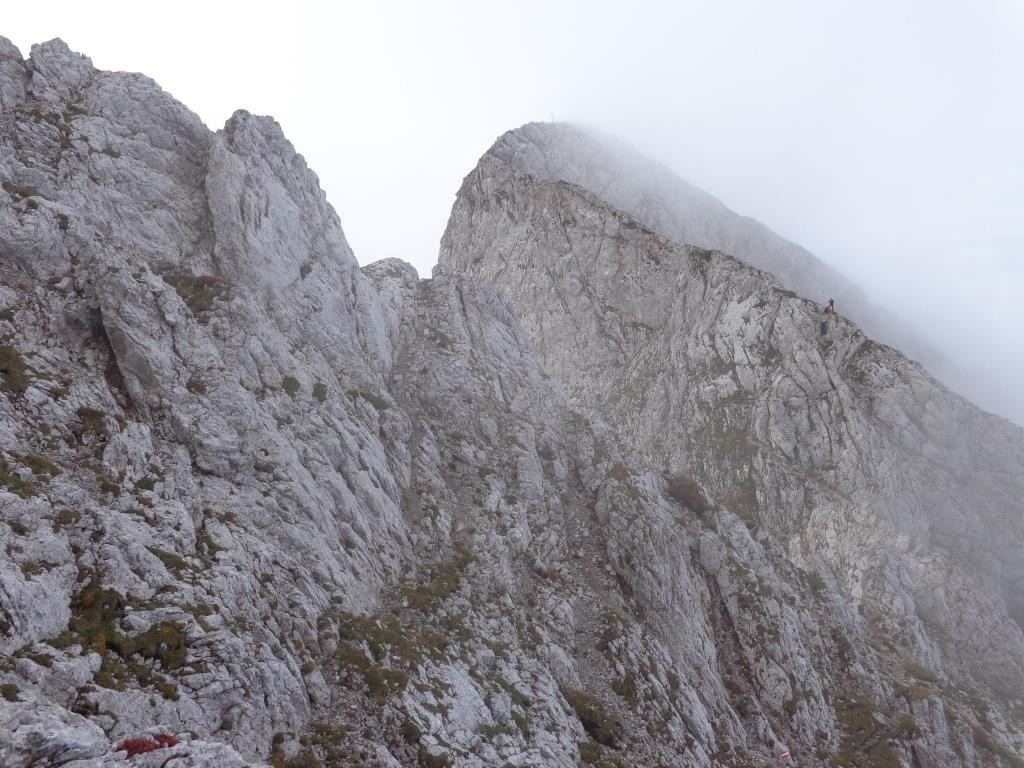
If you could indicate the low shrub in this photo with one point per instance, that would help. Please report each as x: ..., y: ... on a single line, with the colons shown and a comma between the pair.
x: 601, y: 725
x: 140, y: 746
x: 14, y: 370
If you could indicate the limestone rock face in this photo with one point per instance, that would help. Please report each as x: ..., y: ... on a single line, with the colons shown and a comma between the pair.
x: 291, y: 511
x: 864, y: 468
x: 666, y: 204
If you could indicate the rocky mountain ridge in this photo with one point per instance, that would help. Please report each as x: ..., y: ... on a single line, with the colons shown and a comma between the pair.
x: 668, y: 205
x: 290, y: 510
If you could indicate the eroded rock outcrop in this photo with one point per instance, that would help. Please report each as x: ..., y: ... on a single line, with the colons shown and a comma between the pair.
x: 284, y: 509
x: 860, y: 464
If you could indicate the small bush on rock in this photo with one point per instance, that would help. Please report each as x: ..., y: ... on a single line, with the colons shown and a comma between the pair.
x: 140, y: 746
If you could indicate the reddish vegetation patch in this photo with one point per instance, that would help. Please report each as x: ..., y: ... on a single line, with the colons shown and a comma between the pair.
x: 140, y: 746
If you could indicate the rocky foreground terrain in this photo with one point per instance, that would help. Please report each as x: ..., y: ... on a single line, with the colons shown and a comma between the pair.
x: 590, y: 495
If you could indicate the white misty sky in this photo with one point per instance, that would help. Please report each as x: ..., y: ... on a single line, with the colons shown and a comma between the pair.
x: 885, y: 137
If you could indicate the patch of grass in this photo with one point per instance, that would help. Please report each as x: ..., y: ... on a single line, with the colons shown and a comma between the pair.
x: 42, y: 659
x: 814, y: 581
x: 305, y: 759
x: 626, y: 688
x: 64, y: 519
x: 196, y: 386
x: 94, y: 624
x: 40, y: 465
x: 109, y: 486
x: 15, y: 372
x: 444, y: 582
x: 13, y: 483
x: 35, y: 567
x: 328, y: 738
x: 19, y: 191
x: 113, y: 674
x: 169, y: 690
x: 518, y: 698
x: 93, y: 613
x: 921, y: 673
x: 742, y: 500
x: 381, y: 682
x: 987, y: 742
x: 411, y: 732
x: 320, y: 391
x: 866, y: 738
x: 427, y: 759
x: 394, y: 649
x: 620, y: 472
x: 206, y: 546
x: 290, y: 385
x: 174, y: 563
x: 905, y: 727
x: 165, y: 642
x: 490, y: 730
x: 90, y: 422
x: 601, y: 725
x: 199, y: 292
x: 590, y: 752
x: 372, y: 398
x: 9, y: 691
x: 684, y: 488
x: 145, y: 484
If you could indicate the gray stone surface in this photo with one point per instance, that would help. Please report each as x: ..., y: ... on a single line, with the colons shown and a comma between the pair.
x: 290, y: 510
x: 675, y: 209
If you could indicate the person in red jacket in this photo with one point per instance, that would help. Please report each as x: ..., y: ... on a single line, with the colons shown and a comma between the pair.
x: 831, y: 308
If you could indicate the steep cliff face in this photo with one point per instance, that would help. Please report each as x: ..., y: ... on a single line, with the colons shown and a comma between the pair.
x: 666, y: 204
x: 903, y: 495
x: 183, y: 492
x: 286, y: 509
